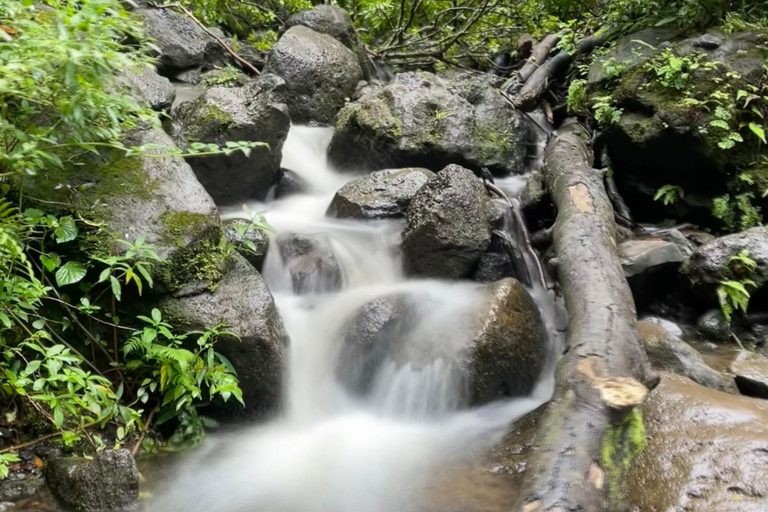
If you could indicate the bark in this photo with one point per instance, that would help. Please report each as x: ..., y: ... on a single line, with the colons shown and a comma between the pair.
x: 591, y: 429
x: 538, y: 83
x: 537, y: 58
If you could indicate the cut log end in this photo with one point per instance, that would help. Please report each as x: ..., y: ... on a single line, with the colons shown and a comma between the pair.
x: 621, y: 393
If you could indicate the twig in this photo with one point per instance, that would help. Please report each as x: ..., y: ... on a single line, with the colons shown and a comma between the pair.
x: 19, y: 446
x: 221, y: 42
x: 143, y: 432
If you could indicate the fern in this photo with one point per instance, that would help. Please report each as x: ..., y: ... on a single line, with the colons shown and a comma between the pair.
x: 733, y: 296
x: 669, y: 194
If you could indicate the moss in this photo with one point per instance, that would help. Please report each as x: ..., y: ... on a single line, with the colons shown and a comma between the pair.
x: 622, y: 443
x: 203, y: 261
x: 180, y: 225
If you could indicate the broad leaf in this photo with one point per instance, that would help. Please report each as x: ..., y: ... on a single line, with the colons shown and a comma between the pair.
x: 66, y: 230
x: 70, y: 273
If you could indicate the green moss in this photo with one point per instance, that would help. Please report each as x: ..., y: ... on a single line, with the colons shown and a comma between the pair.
x: 491, y: 142
x: 180, y: 225
x: 622, y: 443
x: 203, y: 261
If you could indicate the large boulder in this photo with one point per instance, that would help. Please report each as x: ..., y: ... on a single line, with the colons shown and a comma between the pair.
x: 420, y: 120
x: 311, y: 262
x: 711, y: 263
x: 145, y: 84
x: 706, y: 451
x: 650, y: 266
x: 156, y: 198
x: 320, y: 73
x: 670, y: 132
x: 181, y: 42
x: 450, y: 222
x: 330, y: 20
x: 107, y: 482
x: 242, y: 301
x: 381, y: 194
x: 669, y: 353
x: 253, y: 113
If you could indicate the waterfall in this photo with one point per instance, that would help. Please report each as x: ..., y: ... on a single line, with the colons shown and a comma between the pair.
x: 331, y: 449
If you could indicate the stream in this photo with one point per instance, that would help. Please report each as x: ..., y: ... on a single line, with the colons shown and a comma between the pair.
x: 331, y: 450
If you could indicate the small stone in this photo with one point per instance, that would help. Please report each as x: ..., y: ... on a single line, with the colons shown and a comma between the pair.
x: 750, y: 371
x: 713, y: 326
x: 640, y: 256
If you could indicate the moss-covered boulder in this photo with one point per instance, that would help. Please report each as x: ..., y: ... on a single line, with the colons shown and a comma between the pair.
x: 253, y: 113
x: 420, y: 120
x: 449, y: 225
x: 706, y: 451
x: 509, y: 348
x: 319, y: 71
x: 146, y: 85
x: 243, y: 302
x: 682, y: 122
x: 380, y: 195
x: 156, y: 198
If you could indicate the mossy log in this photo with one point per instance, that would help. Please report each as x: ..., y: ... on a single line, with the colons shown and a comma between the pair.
x: 592, y: 427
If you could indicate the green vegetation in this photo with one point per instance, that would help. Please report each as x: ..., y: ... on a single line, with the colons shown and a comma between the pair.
x: 622, y: 444
x: 733, y: 294
x: 669, y: 194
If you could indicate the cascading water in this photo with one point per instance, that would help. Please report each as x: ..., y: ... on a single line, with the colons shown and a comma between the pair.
x: 332, y: 450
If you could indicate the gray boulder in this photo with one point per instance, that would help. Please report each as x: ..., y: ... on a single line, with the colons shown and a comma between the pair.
x: 508, y: 349
x: 253, y: 113
x: 252, y: 243
x: 108, y: 482
x: 750, y: 371
x: 711, y: 262
x: 449, y: 225
x: 243, y: 302
x: 182, y: 43
x: 669, y: 353
x: 311, y: 262
x: 382, y: 194
x: 320, y: 74
x: 330, y: 20
x: 420, y: 120
x: 713, y: 326
x: 290, y: 183
x: 643, y: 256
x: 149, y: 86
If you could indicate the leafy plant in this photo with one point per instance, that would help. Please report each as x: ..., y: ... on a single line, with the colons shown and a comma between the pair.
x: 6, y: 459
x: 577, y: 96
x: 733, y: 294
x: 605, y: 112
x: 673, y: 71
x: 669, y: 194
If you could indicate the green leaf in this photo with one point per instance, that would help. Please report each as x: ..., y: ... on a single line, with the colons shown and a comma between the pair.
x: 115, y: 285
x: 758, y: 130
x: 50, y: 261
x: 70, y: 273
x: 66, y: 230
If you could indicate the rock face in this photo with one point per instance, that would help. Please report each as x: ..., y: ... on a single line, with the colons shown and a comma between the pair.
x: 156, y: 198
x: 251, y: 243
x: 450, y: 221
x: 508, y: 350
x: 320, y: 73
x: 669, y: 353
x: 182, y: 43
x: 108, y: 482
x: 253, y: 113
x: 382, y: 194
x: 711, y: 263
x: 311, y: 262
x: 706, y: 451
x: 147, y: 85
x: 243, y: 302
x: 420, y: 120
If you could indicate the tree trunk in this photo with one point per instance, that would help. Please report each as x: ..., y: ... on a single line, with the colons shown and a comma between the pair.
x: 592, y: 428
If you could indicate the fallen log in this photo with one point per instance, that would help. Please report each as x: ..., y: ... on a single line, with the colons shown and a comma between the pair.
x: 592, y: 427
x: 538, y: 57
x: 528, y: 96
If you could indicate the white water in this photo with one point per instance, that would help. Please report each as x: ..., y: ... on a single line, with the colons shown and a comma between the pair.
x: 331, y: 450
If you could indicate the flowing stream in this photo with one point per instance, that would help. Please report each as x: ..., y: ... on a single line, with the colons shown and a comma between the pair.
x: 330, y: 450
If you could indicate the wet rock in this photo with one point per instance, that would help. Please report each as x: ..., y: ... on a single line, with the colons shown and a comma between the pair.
x: 713, y: 326
x: 450, y: 221
x: 191, y: 76
x: 711, y: 263
x: 224, y: 77
x: 508, y: 350
x: 252, y: 243
x: 18, y: 489
x: 182, y: 43
x: 311, y: 262
x: 535, y: 201
x: 147, y: 85
x: 750, y: 371
x: 290, y: 184
x: 382, y: 194
x: 706, y: 451
x: 669, y: 326
x: 641, y: 256
x: 156, y: 198
x: 244, y: 303
x: 420, y: 120
x: 669, y: 353
x: 253, y: 113
x: 108, y: 482
x: 369, y: 337
x: 320, y: 74
x: 503, y: 259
